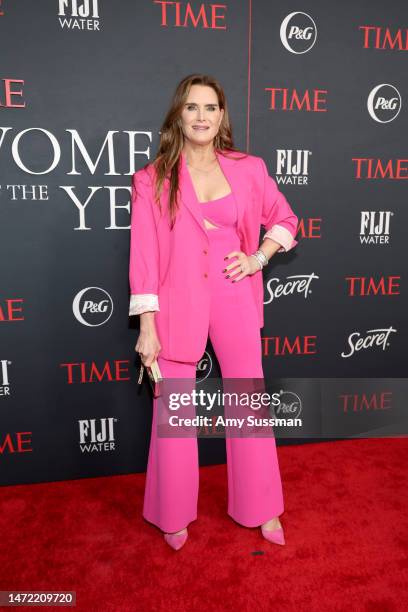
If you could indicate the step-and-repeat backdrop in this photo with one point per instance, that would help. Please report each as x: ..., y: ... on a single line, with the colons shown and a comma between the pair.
x: 321, y: 95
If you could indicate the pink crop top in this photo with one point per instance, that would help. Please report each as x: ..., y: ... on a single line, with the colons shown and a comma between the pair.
x: 221, y: 212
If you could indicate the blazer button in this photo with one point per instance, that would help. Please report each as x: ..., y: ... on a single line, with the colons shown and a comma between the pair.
x: 205, y: 251
x: 205, y: 274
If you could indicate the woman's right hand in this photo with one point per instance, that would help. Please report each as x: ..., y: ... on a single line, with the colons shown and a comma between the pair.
x: 148, y: 345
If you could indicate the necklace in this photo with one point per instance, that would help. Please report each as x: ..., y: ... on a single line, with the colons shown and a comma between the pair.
x: 200, y: 170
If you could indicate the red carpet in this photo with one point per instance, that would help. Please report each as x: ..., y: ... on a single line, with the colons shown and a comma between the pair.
x: 345, y: 526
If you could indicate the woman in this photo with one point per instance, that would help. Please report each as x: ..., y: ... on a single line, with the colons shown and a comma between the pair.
x: 195, y: 271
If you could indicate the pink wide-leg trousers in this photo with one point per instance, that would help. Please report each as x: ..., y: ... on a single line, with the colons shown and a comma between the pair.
x: 172, y: 477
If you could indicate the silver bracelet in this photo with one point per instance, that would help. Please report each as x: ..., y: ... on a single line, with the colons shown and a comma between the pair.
x: 261, y: 257
x: 258, y: 260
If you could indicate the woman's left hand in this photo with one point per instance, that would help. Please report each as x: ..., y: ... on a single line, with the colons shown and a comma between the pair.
x: 244, y: 265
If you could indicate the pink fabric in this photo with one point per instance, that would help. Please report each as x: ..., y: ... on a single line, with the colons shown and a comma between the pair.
x: 172, y: 479
x: 280, y: 234
x: 221, y: 212
x: 144, y: 302
x: 174, y: 264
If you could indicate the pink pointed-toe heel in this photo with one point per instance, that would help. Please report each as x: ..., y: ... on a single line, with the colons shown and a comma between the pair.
x: 274, y: 535
x: 176, y: 541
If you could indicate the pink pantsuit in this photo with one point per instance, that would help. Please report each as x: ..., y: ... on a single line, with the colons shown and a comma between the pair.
x: 179, y: 274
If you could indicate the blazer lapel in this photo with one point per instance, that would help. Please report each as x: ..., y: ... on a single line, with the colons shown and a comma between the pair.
x: 233, y: 172
x: 229, y: 167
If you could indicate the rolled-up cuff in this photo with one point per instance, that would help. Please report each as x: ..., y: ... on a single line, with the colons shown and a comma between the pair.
x: 143, y: 302
x: 280, y: 234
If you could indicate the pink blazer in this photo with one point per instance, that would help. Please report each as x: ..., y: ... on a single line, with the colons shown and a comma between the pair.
x: 170, y: 267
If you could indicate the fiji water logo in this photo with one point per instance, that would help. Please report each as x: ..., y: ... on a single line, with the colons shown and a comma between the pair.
x: 4, y: 378
x: 97, y: 435
x: 375, y: 226
x: 78, y: 15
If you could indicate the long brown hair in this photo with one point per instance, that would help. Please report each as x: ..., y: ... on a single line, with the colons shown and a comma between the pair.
x: 167, y: 160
